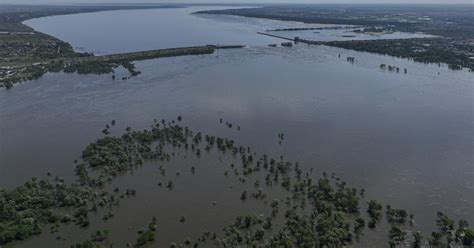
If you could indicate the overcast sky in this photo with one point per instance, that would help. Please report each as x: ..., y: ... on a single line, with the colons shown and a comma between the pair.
x: 241, y: 1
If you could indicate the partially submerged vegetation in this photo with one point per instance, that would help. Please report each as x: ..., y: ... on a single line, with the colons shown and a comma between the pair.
x: 26, y: 54
x: 314, y: 211
x: 146, y: 235
x: 309, y: 28
x: 451, y: 25
x: 22, y: 48
x: 90, y: 64
x: 424, y: 50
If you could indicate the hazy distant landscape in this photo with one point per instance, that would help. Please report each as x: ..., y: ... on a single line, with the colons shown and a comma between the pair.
x: 304, y: 125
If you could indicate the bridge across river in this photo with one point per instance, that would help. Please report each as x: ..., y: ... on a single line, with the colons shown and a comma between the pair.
x: 296, y: 39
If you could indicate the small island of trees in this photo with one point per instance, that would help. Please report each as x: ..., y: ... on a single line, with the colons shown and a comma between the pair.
x: 314, y: 211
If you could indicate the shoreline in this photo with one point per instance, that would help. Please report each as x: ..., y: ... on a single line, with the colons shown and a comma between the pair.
x: 448, y: 45
x: 22, y: 63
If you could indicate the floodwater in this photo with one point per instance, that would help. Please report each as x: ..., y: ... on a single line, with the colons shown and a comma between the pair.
x: 406, y: 138
x: 342, y: 34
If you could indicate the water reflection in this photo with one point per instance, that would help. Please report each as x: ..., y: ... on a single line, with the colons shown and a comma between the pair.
x: 406, y: 139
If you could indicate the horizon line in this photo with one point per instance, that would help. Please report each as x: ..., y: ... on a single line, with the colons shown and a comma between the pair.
x: 233, y: 3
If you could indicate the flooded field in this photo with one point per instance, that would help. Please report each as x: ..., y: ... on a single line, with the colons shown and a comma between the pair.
x: 407, y: 139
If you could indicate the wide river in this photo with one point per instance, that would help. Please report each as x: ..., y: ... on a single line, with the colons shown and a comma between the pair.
x: 408, y: 139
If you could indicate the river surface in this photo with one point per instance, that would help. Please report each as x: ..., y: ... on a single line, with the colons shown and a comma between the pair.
x: 135, y: 30
x: 406, y: 138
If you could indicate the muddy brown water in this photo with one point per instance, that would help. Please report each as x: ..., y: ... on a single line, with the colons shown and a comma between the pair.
x: 407, y: 139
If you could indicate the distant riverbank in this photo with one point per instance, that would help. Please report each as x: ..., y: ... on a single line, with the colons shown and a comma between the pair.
x: 453, y: 44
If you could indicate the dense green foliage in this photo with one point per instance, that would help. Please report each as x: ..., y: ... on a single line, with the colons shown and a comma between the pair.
x: 426, y: 50
x: 24, y: 210
x: 316, y: 212
x: 93, y: 67
x: 147, y: 235
x: 451, y: 23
